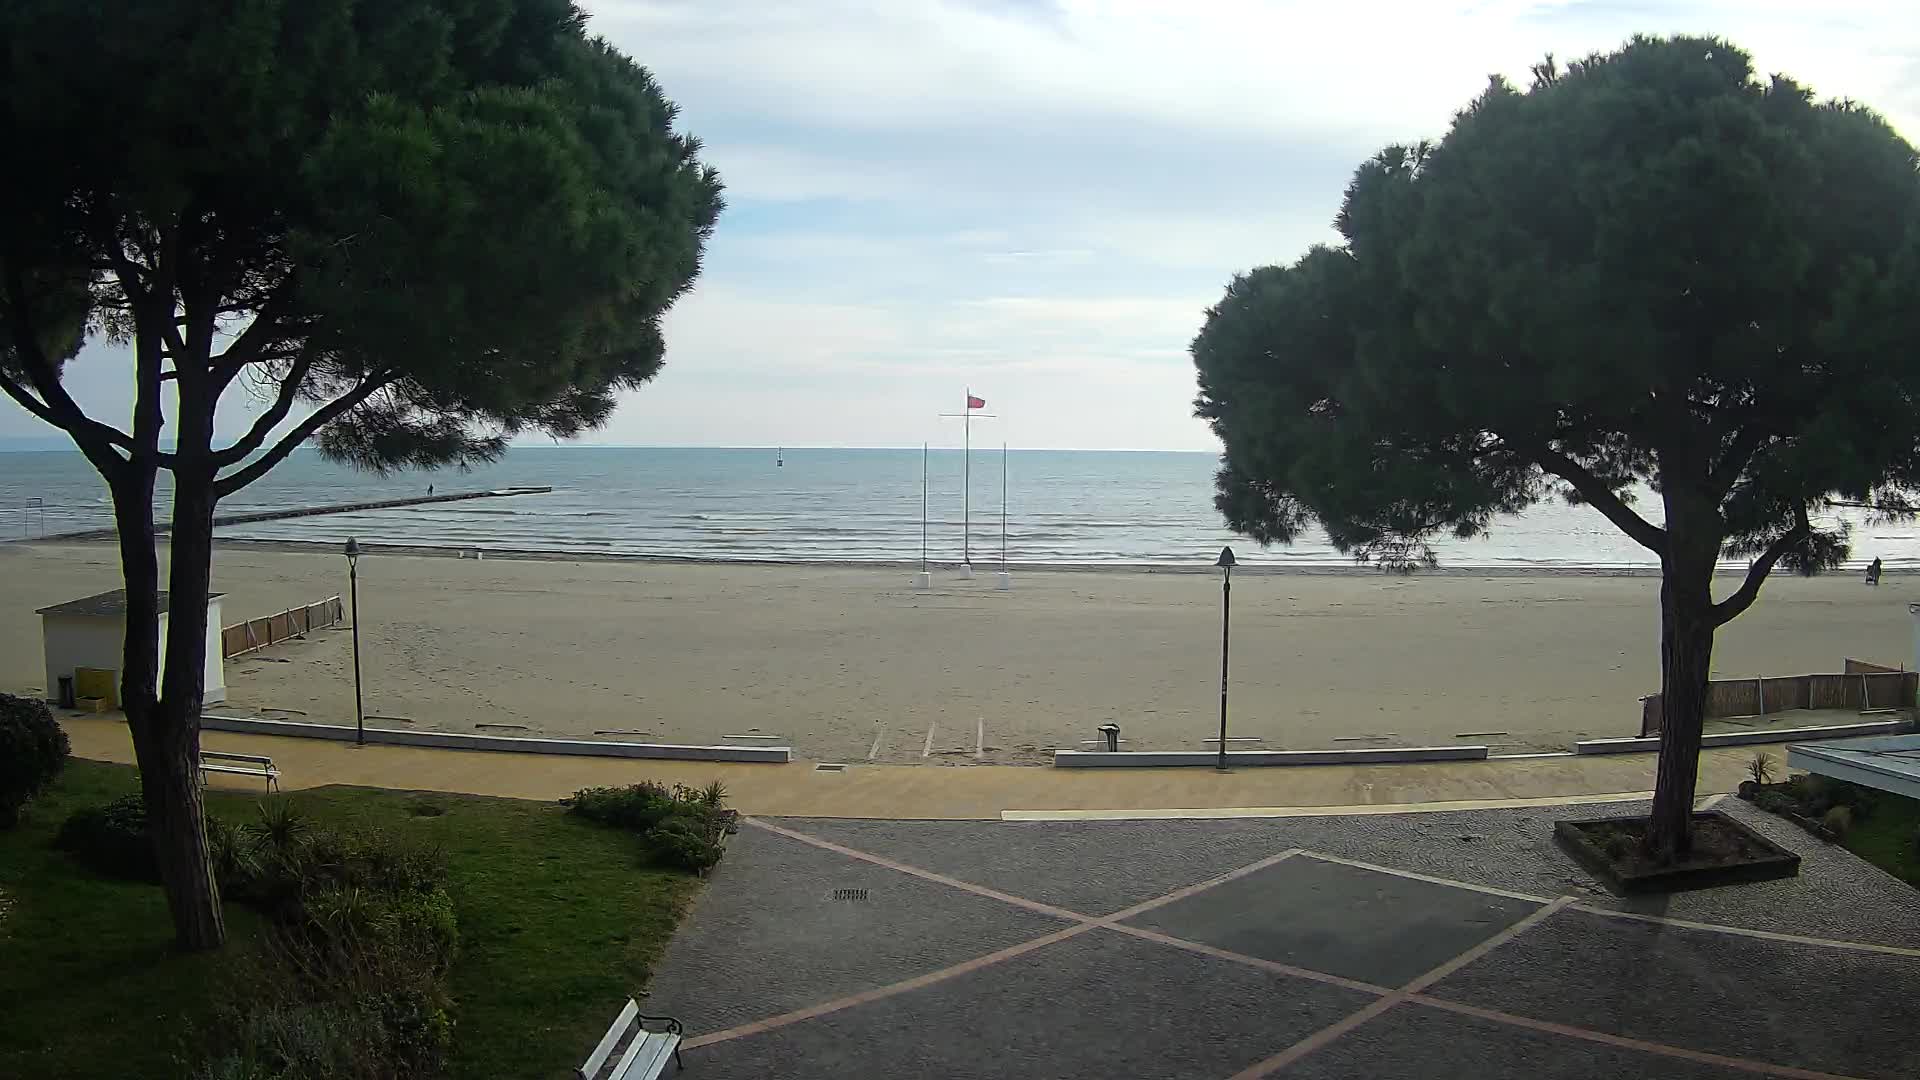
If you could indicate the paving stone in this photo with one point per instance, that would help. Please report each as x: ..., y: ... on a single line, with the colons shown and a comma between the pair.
x: 767, y: 935
x: 1411, y: 1042
x: 1813, y: 1007
x: 1361, y: 924
x: 1093, y: 1007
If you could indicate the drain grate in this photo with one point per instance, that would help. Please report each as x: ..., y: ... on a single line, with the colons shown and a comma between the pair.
x: 849, y: 894
x: 827, y: 767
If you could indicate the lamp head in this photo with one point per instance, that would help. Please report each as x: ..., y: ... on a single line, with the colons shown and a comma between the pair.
x: 1226, y: 557
x: 352, y: 550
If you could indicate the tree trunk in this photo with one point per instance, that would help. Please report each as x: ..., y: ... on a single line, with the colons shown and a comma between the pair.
x: 192, y: 892
x: 1686, y: 661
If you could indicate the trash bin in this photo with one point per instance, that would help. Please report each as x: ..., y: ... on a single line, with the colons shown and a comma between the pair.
x: 1112, y: 734
x: 66, y: 692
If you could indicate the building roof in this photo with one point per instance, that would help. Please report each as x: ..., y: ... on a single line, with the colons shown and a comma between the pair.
x: 106, y: 604
x: 1889, y: 763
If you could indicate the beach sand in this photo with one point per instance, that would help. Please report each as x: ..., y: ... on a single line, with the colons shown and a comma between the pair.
x: 851, y: 664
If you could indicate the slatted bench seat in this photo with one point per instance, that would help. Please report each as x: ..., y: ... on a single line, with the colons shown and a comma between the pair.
x: 636, y: 1047
x: 240, y: 765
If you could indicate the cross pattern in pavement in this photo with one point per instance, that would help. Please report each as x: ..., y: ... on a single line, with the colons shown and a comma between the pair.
x: 1348, y: 969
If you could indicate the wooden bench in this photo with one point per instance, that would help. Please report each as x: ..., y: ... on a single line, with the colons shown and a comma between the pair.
x: 643, y: 1049
x: 239, y: 765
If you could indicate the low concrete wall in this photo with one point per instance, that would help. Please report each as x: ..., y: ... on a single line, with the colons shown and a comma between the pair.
x: 1161, y: 759
x: 450, y: 740
x: 1747, y: 738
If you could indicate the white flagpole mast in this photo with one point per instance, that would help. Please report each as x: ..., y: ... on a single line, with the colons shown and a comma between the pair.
x: 1003, y: 508
x: 966, y: 483
x: 923, y: 508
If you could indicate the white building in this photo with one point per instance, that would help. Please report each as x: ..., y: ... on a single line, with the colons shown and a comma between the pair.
x: 91, y: 633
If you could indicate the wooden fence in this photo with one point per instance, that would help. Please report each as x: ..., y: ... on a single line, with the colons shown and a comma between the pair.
x: 241, y: 638
x: 1862, y: 687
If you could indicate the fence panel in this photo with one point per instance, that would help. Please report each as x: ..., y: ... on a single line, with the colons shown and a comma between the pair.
x: 245, y: 637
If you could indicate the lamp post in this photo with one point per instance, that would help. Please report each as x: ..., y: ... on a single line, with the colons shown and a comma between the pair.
x: 353, y: 588
x: 1225, y: 563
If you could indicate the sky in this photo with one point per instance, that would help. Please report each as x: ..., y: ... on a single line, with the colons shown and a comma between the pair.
x: 1038, y: 200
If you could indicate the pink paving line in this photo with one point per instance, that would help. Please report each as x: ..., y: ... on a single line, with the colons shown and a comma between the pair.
x: 1538, y: 916
x: 889, y: 990
x: 1274, y: 966
x: 1410, y: 994
x: 1397, y: 997
x: 914, y: 871
x: 1569, y: 1031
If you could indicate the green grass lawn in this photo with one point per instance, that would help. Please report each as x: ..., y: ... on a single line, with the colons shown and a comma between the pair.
x: 559, y: 924
x: 1890, y: 837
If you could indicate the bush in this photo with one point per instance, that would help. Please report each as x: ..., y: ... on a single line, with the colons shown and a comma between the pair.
x: 636, y: 808
x: 112, y: 839
x: 1838, y: 820
x: 681, y: 843
x: 678, y: 828
x: 350, y: 980
x: 33, y: 750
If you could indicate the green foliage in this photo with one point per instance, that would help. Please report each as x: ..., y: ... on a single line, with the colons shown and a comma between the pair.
x: 112, y: 839
x: 33, y: 750
x: 678, y: 828
x: 636, y: 807
x: 531, y: 988
x: 1838, y: 820
x: 1650, y: 268
x: 1761, y: 767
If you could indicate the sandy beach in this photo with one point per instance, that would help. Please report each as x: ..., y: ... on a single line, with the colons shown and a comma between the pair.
x: 851, y: 664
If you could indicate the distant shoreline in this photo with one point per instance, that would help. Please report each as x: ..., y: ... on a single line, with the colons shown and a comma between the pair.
x: 520, y: 554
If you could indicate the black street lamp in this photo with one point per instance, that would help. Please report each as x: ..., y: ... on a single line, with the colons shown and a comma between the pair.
x: 1225, y: 563
x: 353, y: 588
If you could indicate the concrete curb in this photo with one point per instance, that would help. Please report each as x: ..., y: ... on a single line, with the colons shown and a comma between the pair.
x: 447, y: 740
x: 1747, y: 738
x: 1161, y: 759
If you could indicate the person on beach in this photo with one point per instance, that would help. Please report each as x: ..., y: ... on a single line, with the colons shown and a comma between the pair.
x: 1873, y: 571
x: 429, y: 490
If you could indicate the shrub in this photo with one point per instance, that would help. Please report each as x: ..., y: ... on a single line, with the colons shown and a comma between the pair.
x: 1761, y: 767
x: 682, y: 843
x: 636, y: 807
x: 33, y: 750
x: 678, y: 828
x: 1838, y: 820
x: 1774, y: 801
x: 112, y: 839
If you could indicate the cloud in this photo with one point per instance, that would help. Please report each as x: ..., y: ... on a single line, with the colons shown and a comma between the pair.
x: 1039, y: 199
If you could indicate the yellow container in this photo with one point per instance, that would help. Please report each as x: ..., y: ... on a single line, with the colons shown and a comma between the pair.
x: 102, y: 683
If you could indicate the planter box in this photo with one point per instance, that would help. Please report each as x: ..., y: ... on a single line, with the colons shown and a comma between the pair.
x: 1768, y: 862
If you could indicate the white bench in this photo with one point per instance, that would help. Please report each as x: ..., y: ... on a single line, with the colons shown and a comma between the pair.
x: 240, y: 765
x: 643, y: 1050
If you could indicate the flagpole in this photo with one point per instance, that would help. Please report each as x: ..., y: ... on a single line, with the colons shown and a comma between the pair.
x: 966, y: 488
x: 1003, y: 580
x: 923, y: 580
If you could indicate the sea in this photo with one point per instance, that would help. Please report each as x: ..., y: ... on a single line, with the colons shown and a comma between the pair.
x: 1068, y: 507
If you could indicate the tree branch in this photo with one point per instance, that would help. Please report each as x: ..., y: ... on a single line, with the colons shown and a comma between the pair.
x: 264, y: 424
x: 96, y: 440
x: 320, y: 418
x: 1746, y: 442
x: 1727, y: 610
x: 1642, y: 531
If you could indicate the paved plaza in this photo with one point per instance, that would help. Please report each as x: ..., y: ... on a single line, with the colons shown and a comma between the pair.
x: 1371, y: 948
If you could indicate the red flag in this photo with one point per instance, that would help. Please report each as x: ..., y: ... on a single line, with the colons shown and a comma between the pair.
x: 975, y: 402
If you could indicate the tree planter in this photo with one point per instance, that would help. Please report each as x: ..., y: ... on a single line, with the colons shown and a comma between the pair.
x: 1726, y: 853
